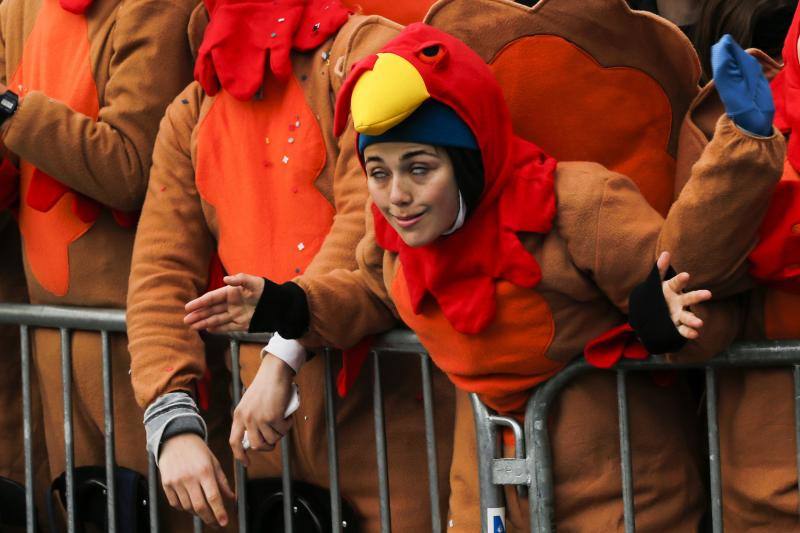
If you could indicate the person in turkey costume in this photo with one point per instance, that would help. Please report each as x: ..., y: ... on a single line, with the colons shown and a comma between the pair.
x: 84, y: 85
x: 511, y: 263
x: 758, y: 452
x: 263, y: 185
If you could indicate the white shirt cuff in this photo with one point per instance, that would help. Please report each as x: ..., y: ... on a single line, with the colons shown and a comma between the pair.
x: 289, y: 351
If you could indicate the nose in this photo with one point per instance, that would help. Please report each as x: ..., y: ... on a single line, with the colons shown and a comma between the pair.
x: 400, y: 195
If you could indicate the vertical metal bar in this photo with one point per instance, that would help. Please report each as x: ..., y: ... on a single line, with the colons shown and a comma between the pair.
x: 197, y: 524
x: 625, y: 454
x: 333, y: 455
x: 152, y: 492
x: 540, y: 500
x: 380, y: 445
x: 69, y: 442
x: 430, y: 443
x: 713, y: 451
x: 241, y: 473
x: 491, y: 496
x: 796, y: 372
x: 108, y: 424
x: 286, y: 481
x: 25, y: 363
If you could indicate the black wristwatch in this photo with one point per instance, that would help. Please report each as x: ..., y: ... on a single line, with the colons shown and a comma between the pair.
x: 8, y: 105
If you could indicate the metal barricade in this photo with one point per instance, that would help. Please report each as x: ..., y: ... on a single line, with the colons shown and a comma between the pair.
x: 535, y: 470
x: 107, y: 321
x: 530, y: 470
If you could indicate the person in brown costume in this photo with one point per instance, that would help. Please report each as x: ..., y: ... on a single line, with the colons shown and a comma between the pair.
x: 87, y: 84
x: 755, y: 411
x: 466, y: 286
x: 246, y: 167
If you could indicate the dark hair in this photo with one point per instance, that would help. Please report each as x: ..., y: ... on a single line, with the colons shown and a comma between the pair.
x: 761, y: 24
x: 468, y: 171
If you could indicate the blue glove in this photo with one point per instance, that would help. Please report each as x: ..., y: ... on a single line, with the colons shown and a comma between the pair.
x: 742, y: 87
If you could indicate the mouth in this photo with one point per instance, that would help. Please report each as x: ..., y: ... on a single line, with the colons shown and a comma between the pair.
x: 407, y: 221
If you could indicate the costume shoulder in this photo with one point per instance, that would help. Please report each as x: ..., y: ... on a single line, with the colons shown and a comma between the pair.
x: 359, y: 37
x: 642, y: 72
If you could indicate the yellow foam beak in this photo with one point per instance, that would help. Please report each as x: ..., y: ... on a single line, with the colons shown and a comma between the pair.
x: 386, y: 95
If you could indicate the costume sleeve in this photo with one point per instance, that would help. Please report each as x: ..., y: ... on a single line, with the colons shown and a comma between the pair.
x: 170, y: 263
x: 108, y: 159
x: 344, y: 306
x: 615, y: 236
x: 350, y: 195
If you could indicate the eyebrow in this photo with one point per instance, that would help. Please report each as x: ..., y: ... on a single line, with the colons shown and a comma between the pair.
x: 373, y: 158
x: 409, y: 155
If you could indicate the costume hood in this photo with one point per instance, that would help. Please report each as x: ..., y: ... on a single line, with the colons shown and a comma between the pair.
x: 244, y: 37
x: 460, y: 270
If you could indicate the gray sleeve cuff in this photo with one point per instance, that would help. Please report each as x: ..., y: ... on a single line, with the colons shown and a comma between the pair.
x: 171, y: 414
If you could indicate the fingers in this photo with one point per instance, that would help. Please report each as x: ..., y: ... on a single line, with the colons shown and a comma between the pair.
x: 215, y: 321
x: 205, y: 312
x: 216, y: 507
x: 172, y: 498
x: 235, y: 441
x: 663, y: 264
x: 690, y: 319
x: 199, y: 503
x: 183, y: 497
x: 237, y: 280
x: 688, y: 332
x: 222, y: 481
x: 679, y: 282
x: 208, y: 299
x: 695, y: 297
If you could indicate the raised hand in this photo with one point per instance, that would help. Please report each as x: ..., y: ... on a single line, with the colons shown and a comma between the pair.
x: 742, y: 87
x: 678, y: 301
x: 228, y: 308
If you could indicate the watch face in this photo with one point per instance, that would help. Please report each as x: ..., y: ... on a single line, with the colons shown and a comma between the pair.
x: 7, y: 104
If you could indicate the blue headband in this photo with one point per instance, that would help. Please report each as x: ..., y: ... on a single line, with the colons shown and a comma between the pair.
x: 432, y: 123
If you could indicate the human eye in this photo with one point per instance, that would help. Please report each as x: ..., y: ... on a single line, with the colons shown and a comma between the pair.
x: 419, y: 169
x: 378, y: 174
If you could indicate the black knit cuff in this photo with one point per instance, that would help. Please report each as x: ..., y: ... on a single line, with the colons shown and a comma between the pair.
x: 184, y: 424
x: 282, y: 309
x: 649, y: 316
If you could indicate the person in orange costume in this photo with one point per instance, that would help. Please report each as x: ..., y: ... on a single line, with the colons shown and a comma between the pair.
x: 81, y: 104
x: 246, y: 166
x: 501, y: 263
x: 758, y: 453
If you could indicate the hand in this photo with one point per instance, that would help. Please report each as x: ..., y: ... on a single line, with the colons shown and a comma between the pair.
x: 228, y: 308
x: 742, y: 87
x: 261, y: 409
x: 193, y: 480
x: 678, y: 302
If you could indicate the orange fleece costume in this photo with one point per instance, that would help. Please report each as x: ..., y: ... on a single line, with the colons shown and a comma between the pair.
x: 266, y: 184
x: 758, y: 453
x: 92, y: 89
x: 586, y: 279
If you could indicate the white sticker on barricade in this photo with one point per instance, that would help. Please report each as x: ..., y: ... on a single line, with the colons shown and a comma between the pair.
x: 496, y: 519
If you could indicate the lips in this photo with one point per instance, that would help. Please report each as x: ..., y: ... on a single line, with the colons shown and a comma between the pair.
x: 407, y: 221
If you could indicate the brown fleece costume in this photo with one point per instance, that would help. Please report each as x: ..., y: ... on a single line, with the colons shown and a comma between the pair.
x: 267, y: 185
x: 12, y: 289
x: 93, y: 88
x: 755, y: 411
x: 617, y: 252
x: 655, y: 72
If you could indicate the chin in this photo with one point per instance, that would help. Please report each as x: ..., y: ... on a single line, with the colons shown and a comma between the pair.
x: 415, y: 240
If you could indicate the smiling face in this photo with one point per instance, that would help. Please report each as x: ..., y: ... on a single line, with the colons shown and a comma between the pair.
x: 414, y: 187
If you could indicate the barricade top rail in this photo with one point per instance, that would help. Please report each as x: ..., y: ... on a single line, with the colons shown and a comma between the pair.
x: 52, y: 316
x: 113, y: 320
